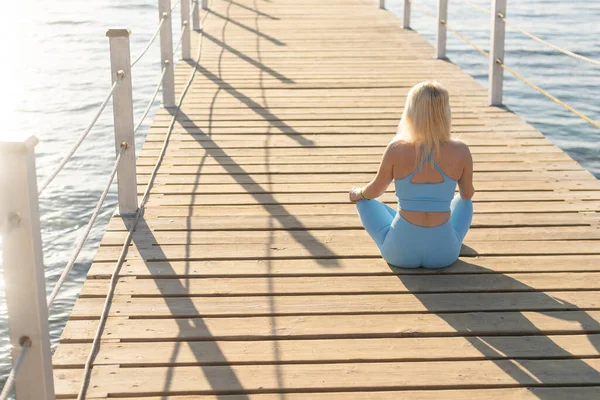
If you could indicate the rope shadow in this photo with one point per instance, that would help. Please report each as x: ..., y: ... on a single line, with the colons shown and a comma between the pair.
x: 247, y: 28
x: 258, y: 13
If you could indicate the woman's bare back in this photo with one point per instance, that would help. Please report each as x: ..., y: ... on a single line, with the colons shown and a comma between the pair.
x: 456, y: 162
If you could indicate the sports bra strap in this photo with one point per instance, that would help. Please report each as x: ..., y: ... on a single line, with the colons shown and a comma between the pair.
x: 426, y: 159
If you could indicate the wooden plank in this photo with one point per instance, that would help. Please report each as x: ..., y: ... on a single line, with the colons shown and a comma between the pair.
x: 191, y: 158
x: 527, y: 393
x: 342, y: 168
x: 307, y: 247
x: 515, y: 323
x: 291, y: 140
x: 143, y: 234
x: 230, y: 199
x: 341, y: 267
x: 329, y: 351
x: 276, y: 219
x: 194, y: 112
x: 459, y: 132
x: 343, y: 188
x: 345, y: 285
x: 111, y: 381
x: 352, y: 179
x: 89, y: 308
x: 568, y: 209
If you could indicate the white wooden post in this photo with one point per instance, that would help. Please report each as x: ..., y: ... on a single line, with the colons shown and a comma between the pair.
x: 205, y: 4
x: 185, y: 29
x: 406, y: 15
x: 440, y: 47
x: 382, y: 4
x: 166, y: 53
x: 196, y: 14
x: 120, y: 62
x: 24, y: 268
x: 496, y: 72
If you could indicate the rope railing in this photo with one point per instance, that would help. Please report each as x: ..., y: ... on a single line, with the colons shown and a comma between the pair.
x: 152, y: 39
x: 85, y: 133
x: 548, y: 95
x: 531, y: 35
x: 10, y: 381
x: 193, y: 9
x: 545, y: 42
x: 124, y: 165
x: 476, y: 7
x: 115, y: 274
x: 512, y: 71
x: 450, y: 28
x: 83, y: 237
x: 465, y: 39
x: 81, y: 138
x: 183, y: 32
x: 423, y: 9
x: 151, y: 102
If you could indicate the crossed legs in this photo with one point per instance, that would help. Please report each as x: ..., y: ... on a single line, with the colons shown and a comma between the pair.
x: 377, y: 218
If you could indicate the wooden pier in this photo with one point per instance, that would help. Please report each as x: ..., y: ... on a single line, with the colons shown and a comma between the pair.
x: 250, y: 276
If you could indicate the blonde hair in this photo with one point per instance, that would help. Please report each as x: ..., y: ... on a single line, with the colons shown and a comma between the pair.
x: 426, y: 119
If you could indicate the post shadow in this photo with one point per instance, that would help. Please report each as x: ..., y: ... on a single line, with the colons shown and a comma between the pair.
x: 324, y: 256
x: 496, y: 348
x: 248, y: 59
x: 221, y: 379
x: 224, y: 378
x: 276, y: 210
x: 252, y: 105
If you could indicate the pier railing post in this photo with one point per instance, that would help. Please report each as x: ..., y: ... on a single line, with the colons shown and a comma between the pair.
x: 166, y: 53
x: 120, y: 63
x: 496, y: 72
x: 406, y: 15
x: 196, y: 14
x: 440, y: 46
x: 382, y: 4
x: 185, y: 29
x: 24, y: 269
x: 205, y: 4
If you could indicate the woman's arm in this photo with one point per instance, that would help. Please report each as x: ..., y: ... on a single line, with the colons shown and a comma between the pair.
x: 465, y: 183
x: 382, y: 180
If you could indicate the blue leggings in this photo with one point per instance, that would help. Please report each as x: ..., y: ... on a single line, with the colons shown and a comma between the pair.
x: 403, y: 244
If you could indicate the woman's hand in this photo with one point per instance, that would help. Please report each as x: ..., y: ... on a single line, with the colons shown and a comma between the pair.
x: 355, y: 195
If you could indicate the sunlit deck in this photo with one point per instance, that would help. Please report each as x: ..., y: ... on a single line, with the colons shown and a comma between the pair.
x: 250, y: 274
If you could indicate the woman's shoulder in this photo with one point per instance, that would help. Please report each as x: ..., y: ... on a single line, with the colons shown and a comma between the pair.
x: 459, y: 147
x: 399, y: 145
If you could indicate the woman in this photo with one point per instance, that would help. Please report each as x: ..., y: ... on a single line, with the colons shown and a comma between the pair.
x: 425, y: 165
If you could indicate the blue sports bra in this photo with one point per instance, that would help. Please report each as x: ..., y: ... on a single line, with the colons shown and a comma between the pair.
x: 425, y: 197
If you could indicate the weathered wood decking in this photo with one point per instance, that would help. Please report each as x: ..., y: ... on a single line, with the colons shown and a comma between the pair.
x: 250, y: 274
